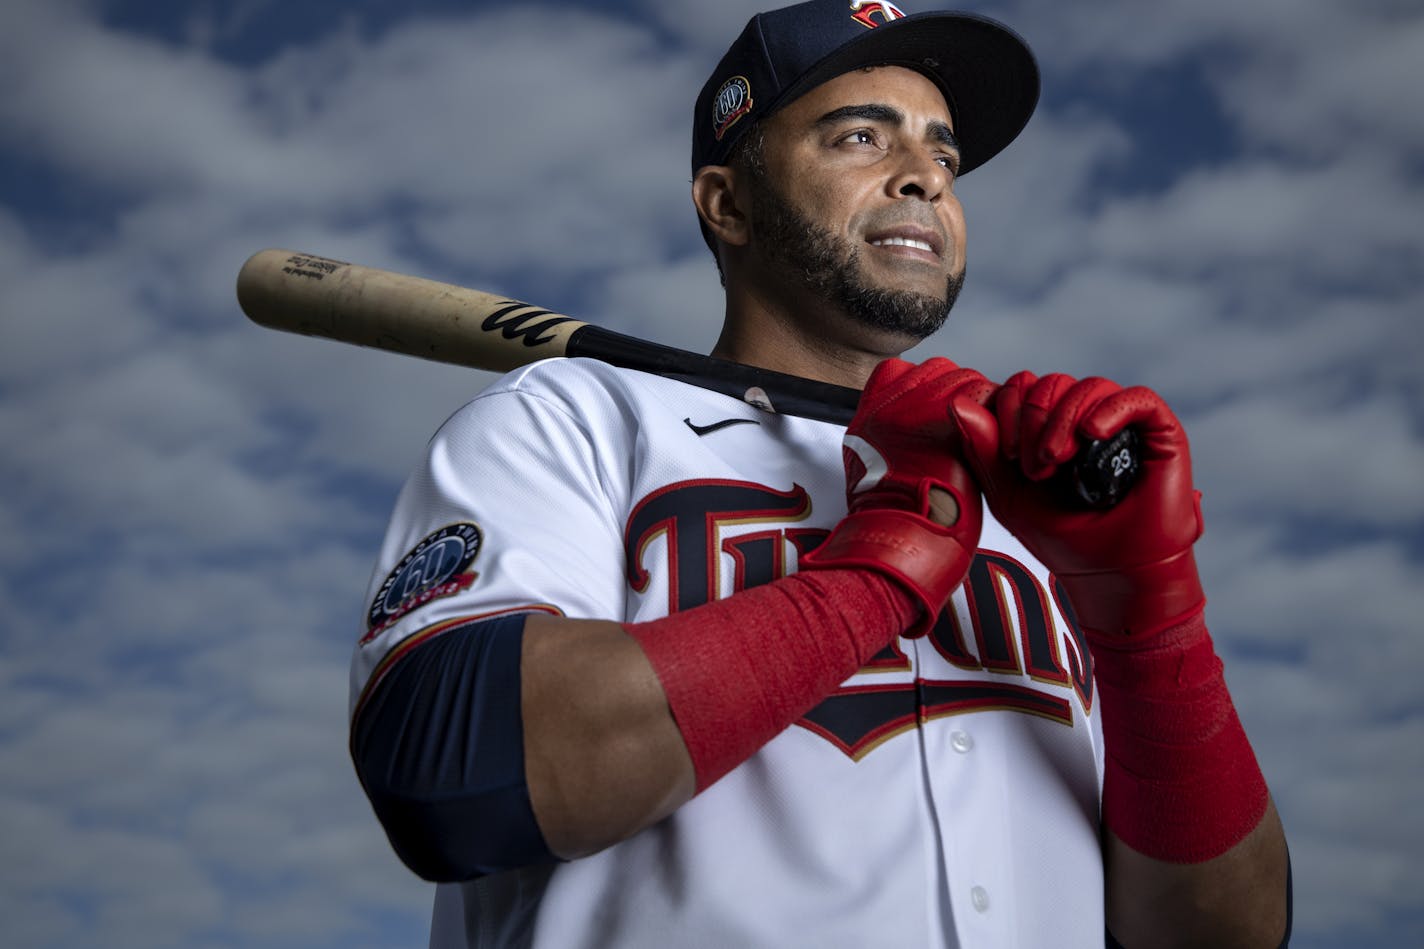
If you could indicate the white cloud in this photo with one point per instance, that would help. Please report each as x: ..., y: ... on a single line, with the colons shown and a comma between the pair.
x: 1297, y: 454
x: 708, y: 28
x: 50, y: 854
x: 1321, y: 225
x: 679, y: 304
x: 192, y: 503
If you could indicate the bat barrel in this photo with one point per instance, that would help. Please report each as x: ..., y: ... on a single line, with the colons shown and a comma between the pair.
x: 365, y: 306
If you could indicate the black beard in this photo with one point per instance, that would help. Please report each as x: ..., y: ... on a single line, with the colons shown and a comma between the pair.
x: 830, y: 267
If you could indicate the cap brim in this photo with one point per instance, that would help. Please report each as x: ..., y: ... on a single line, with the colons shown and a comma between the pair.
x: 986, y: 71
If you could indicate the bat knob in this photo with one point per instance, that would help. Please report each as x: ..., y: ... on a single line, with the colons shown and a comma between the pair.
x: 1104, y: 470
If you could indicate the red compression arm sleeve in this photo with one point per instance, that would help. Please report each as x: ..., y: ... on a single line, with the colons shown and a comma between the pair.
x: 738, y: 671
x: 1181, y: 782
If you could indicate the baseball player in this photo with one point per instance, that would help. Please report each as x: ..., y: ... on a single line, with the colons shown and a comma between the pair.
x: 647, y: 666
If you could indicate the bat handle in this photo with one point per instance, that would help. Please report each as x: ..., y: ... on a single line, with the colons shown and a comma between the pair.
x: 1103, y: 471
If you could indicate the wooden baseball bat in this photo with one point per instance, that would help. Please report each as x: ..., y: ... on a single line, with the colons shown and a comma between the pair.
x: 317, y: 296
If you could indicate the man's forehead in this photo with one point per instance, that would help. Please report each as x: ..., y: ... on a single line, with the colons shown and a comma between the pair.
x: 910, y: 93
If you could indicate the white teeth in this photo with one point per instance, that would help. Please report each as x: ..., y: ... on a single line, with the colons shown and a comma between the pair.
x: 902, y: 242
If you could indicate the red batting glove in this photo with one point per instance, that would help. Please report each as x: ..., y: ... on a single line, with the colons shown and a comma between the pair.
x: 1128, y: 570
x: 899, y: 445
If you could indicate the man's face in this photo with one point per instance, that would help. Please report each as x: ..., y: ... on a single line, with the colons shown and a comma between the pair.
x: 856, y: 199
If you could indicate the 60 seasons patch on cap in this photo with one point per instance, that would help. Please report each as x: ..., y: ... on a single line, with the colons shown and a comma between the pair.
x: 438, y: 566
x: 733, y: 101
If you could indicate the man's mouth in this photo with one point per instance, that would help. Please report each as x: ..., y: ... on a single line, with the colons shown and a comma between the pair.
x: 919, y: 239
x: 903, y: 242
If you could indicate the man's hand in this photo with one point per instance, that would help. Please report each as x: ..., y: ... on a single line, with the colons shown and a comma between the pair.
x: 1127, y: 570
x: 1194, y: 851
x: 915, y: 513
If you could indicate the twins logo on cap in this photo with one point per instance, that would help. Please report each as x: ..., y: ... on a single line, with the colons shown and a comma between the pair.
x: 863, y: 11
x: 732, y: 101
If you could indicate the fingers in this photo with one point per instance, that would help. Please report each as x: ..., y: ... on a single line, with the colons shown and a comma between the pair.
x: 979, y: 436
x: 1059, y: 437
x: 887, y: 379
x: 1039, y: 426
x: 1008, y: 409
x: 918, y: 395
x: 972, y: 385
x: 1040, y: 423
x: 895, y: 378
x: 948, y: 380
x: 1137, y: 407
x: 1043, y: 421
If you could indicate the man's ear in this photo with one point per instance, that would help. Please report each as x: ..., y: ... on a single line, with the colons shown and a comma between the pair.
x: 714, y: 194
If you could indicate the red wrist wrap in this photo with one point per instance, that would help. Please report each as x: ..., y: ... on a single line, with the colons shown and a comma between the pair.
x: 1181, y: 783
x: 1137, y: 601
x: 738, y: 671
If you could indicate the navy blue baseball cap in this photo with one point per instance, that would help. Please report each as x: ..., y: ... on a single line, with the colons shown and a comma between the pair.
x: 986, y: 71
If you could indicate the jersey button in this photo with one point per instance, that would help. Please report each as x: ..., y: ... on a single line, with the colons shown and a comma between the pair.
x: 961, y: 741
x: 980, y: 898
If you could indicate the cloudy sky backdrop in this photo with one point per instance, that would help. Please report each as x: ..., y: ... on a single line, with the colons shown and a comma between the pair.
x: 1219, y: 198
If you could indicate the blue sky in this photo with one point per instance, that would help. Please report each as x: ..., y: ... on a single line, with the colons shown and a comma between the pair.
x: 1220, y: 199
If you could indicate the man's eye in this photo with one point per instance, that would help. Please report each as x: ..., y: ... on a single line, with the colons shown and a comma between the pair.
x: 861, y: 137
x: 950, y: 163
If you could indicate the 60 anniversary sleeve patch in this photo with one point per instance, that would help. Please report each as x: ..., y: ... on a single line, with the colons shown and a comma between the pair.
x: 436, y: 567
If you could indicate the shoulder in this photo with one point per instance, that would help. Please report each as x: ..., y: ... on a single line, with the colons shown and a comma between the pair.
x: 581, y: 392
x: 573, y: 381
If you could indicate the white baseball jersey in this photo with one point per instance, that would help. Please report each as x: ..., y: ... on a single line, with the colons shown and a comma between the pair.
x: 946, y: 795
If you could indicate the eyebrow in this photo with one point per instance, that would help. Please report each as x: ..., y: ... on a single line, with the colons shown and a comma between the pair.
x: 876, y: 112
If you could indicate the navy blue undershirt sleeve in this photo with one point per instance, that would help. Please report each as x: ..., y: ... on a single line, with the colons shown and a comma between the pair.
x: 439, y: 749
x: 1112, y: 943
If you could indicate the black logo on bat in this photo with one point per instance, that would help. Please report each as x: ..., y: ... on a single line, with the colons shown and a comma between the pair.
x: 513, y: 322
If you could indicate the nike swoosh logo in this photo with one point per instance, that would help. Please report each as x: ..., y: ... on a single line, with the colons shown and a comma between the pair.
x: 701, y: 430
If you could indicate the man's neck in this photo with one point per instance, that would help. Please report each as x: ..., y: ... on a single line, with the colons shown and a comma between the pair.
x: 826, y: 346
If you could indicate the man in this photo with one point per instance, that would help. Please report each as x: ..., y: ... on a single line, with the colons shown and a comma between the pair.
x: 646, y: 666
